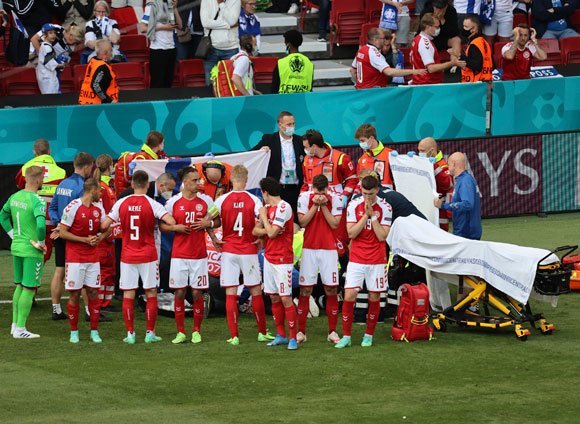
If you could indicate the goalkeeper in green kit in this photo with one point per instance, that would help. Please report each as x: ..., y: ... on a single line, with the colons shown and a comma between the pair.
x: 23, y: 217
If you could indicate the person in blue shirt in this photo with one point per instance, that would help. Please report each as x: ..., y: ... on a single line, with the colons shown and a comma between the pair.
x: 249, y: 22
x: 69, y: 189
x: 553, y: 18
x: 465, y: 205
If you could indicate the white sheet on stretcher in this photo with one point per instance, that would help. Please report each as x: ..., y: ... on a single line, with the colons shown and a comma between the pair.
x: 509, y: 268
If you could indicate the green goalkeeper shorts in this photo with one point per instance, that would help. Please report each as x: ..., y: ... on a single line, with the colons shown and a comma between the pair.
x: 27, y: 271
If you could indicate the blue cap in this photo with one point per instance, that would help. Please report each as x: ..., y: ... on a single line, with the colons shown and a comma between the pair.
x: 48, y: 27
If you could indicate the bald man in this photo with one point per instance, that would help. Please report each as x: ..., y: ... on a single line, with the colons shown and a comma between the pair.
x: 443, y: 179
x: 465, y: 204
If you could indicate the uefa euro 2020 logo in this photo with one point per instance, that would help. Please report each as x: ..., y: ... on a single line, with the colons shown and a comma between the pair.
x: 296, y: 64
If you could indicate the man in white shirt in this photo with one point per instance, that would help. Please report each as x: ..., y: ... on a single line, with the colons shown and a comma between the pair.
x: 243, y: 75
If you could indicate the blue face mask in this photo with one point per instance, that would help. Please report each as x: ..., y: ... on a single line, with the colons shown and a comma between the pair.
x: 364, y: 145
x: 423, y: 154
x: 289, y: 131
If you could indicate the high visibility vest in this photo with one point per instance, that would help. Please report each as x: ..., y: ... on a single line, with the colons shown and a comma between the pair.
x: 214, y: 190
x: 296, y: 73
x: 327, y: 166
x: 87, y: 96
x: 467, y: 75
x: 379, y: 164
x: 221, y: 78
x: 122, y: 177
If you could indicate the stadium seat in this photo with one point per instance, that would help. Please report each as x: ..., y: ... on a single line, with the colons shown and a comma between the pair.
x: 346, y: 19
x: 373, y: 9
x: 576, y: 20
x: 305, y: 6
x: 497, y: 57
x: 67, y: 82
x: 263, y: 69
x: 126, y: 19
x: 552, y: 48
x: 570, y: 50
x: 78, y: 76
x: 521, y: 18
x: 130, y: 76
x: 21, y: 81
x: 176, y: 77
x: 364, y: 30
x: 135, y: 47
x: 191, y: 73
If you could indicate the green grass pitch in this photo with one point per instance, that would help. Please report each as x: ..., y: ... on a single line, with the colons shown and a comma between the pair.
x: 460, y: 377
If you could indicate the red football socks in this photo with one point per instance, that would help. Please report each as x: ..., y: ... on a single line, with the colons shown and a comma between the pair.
x: 373, y: 316
x: 259, y: 312
x: 128, y: 315
x: 291, y: 319
x: 278, y: 315
x: 347, y: 317
x: 95, y: 313
x: 179, y: 308
x: 151, y: 313
x: 232, y: 314
x: 73, y: 316
x: 332, y: 312
x: 198, y: 309
x: 303, y: 309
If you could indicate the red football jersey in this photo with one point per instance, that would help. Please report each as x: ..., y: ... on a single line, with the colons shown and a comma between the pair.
x: 366, y: 248
x: 279, y: 249
x: 519, y: 66
x: 424, y: 53
x: 186, y: 212
x: 82, y: 221
x: 239, y: 212
x: 370, y: 64
x: 318, y: 234
x: 138, y: 216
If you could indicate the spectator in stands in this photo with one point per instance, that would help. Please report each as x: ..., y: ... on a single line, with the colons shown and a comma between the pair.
x: 191, y: 32
x: 222, y: 18
x: 401, y: 21
x: 159, y: 22
x: 323, y: 19
x: 100, y: 85
x: 47, y: 67
x: 465, y: 8
x: 249, y: 22
x: 517, y: 55
x: 66, y: 42
x: 77, y: 12
x: 393, y: 56
x: 284, y: 6
x: 425, y: 55
x: 448, y: 35
x: 502, y: 22
x: 99, y: 28
x: 552, y: 18
x: 33, y: 13
x: 369, y: 68
x: 478, y: 55
x: 295, y: 72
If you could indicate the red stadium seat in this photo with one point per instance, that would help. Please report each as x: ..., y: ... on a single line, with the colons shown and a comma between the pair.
x: 79, y: 75
x: 497, y: 56
x: 20, y: 81
x: 126, y: 19
x: 305, y: 6
x: 176, y: 77
x: 570, y: 50
x: 135, y: 47
x: 552, y: 48
x: 130, y: 76
x: 67, y: 82
x: 576, y: 20
x: 521, y: 18
x: 191, y: 73
x: 373, y: 9
x: 364, y: 30
x: 263, y: 69
x: 346, y: 20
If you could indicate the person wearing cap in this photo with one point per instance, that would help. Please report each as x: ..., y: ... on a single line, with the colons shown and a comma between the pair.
x: 68, y: 39
x: 47, y: 67
x: 100, y: 84
x: 215, y: 178
x: 295, y: 72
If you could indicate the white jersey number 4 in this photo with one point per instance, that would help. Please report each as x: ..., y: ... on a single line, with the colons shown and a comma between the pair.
x: 238, y: 226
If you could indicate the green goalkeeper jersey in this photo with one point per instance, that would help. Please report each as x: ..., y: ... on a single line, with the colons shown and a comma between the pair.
x: 25, y: 214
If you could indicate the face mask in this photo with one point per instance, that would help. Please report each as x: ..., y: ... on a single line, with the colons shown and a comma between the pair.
x: 308, y: 152
x: 289, y: 131
x: 466, y: 33
x: 437, y: 32
x: 364, y: 145
x: 423, y: 154
x: 167, y: 195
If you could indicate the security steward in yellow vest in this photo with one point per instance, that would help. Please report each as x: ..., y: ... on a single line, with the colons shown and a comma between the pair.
x: 295, y: 72
x: 100, y: 85
x: 478, y: 55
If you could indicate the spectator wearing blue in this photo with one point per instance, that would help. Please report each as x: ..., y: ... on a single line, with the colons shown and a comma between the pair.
x: 249, y: 22
x: 552, y: 18
x: 68, y: 190
x: 465, y: 205
x: 393, y: 55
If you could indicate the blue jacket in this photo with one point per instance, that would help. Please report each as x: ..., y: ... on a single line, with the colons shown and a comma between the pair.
x: 465, y: 207
x: 69, y: 189
x: 248, y: 24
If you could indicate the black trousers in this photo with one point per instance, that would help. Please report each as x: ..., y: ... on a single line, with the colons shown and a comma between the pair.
x: 290, y: 193
x: 161, y: 67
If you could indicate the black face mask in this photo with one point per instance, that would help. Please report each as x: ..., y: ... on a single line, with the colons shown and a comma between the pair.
x: 466, y: 33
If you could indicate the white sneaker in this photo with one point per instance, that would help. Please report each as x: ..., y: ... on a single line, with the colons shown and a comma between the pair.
x: 293, y: 9
x: 301, y: 337
x: 12, y: 328
x: 24, y: 334
x: 313, y: 10
x: 333, y: 337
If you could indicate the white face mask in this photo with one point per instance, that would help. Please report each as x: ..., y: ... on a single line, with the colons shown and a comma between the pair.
x: 289, y: 131
x: 437, y: 32
x: 364, y: 145
x: 167, y: 195
x: 308, y: 152
x: 423, y: 154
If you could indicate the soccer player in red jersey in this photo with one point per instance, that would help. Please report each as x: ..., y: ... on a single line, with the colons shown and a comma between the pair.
x: 319, y: 212
x: 239, y: 211
x: 190, y: 209
x: 80, y: 226
x: 368, y: 223
x: 137, y: 215
x: 277, y: 224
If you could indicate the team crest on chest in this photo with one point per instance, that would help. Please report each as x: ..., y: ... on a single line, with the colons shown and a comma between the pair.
x: 96, y: 214
x: 198, y: 208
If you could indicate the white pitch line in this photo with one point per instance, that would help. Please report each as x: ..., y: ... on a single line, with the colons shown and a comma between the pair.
x: 38, y: 299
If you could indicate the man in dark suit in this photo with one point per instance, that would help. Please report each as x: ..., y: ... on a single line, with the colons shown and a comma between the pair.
x: 286, y: 156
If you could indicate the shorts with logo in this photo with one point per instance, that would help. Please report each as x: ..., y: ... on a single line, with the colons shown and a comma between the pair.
x: 130, y: 273
x: 373, y: 275
x: 78, y: 275
x: 188, y: 272
x: 27, y: 271
x: 233, y: 264
x: 319, y: 260
x: 278, y: 278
